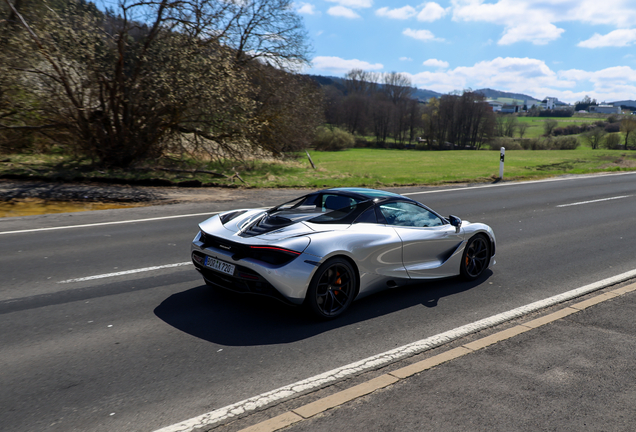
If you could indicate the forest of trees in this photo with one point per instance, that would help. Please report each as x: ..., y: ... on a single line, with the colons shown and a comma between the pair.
x: 381, y: 106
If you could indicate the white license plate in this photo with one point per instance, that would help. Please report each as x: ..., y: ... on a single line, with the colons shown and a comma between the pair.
x: 219, y: 265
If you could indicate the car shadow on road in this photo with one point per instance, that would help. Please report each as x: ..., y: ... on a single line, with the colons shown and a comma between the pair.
x: 244, y: 320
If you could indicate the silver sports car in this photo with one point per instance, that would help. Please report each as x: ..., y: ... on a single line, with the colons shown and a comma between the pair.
x: 329, y: 247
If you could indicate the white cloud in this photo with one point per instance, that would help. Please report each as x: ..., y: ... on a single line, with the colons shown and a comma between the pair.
x: 618, y: 13
x: 431, y: 12
x: 339, y: 65
x: 354, y: 4
x: 604, y: 78
x: 423, y: 35
x: 341, y: 11
x: 535, y: 21
x: 610, y: 84
x: 523, y: 75
x: 307, y: 9
x: 523, y: 20
x: 402, y: 13
x: 538, y: 34
x: 534, y: 78
x: 436, y: 63
x: 406, y: 59
x: 617, y: 38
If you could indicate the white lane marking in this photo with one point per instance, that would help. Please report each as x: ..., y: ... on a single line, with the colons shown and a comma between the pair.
x: 127, y: 272
x: 405, y: 194
x: 594, y: 201
x: 109, y: 223
x: 518, y: 183
x: 377, y: 361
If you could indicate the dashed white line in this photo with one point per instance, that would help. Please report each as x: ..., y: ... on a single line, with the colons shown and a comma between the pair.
x: 594, y: 201
x: 519, y: 183
x: 374, y: 362
x: 127, y: 272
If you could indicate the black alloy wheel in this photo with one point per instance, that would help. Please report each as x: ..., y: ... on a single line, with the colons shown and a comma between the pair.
x: 332, y: 288
x: 476, y: 257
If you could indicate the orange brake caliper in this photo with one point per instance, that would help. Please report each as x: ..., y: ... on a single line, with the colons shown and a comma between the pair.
x: 338, y: 282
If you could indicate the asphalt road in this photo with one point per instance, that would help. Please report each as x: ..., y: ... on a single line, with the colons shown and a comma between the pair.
x: 145, y: 350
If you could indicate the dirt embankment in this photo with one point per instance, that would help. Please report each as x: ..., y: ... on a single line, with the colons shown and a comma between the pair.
x: 11, y: 190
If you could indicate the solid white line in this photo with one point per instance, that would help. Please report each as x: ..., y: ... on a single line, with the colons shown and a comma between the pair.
x: 519, y: 183
x: 405, y: 194
x: 377, y: 361
x: 108, y: 223
x: 594, y: 201
x: 107, y: 275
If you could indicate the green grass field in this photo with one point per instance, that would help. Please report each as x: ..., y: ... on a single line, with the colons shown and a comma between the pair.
x: 365, y: 167
x: 535, y: 124
x: 379, y: 168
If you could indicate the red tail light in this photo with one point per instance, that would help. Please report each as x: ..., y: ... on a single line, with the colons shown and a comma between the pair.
x: 276, y: 249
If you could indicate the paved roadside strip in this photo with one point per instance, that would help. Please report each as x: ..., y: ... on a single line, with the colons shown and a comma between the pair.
x: 317, y: 409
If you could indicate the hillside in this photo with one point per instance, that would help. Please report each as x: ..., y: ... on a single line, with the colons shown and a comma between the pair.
x: 421, y: 94
x: 425, y: 94
x: 498, y: 95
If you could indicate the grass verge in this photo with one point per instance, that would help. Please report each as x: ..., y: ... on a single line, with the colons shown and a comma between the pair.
x: 354, y: 167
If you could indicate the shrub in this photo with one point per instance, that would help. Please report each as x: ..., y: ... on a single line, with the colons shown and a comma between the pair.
x: 561, y: 143
x: 612, y: 119
x: 569, y: 130
x: 565, y: 143
x: 613, y: 142
x: 613, y: 127
x: 556, y: 113
x: 362, y: 143
x: 333, y: 139
x: 508, y: 144
x: 535, y: 144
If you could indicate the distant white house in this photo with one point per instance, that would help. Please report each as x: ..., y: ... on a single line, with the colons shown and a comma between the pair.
x: 605, y: 109
x: 495, y: 105
x: 552, y: 103
x: 549, y: 103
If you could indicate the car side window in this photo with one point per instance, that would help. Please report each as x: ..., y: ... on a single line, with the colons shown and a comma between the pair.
x: 336, y: 202
x: 367, y: 217
x: 409, y: 215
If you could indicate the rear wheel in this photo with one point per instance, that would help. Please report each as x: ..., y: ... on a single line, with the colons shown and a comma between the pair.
x: 476, y: 257
x: 332, y: 288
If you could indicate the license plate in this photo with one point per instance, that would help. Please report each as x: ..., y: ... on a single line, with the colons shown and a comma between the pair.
x: 221, y: 266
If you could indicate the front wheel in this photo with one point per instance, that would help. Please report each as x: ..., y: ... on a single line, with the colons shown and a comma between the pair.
x: 476, y: 257
x: 332, y: 288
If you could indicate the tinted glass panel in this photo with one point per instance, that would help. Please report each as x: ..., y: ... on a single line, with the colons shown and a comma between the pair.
x: 367, y: 217
x: 409, y: 215
x: 336, y: 202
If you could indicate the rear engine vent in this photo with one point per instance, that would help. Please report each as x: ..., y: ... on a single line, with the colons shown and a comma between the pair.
x: 229, y: 216
x: 266, y: 224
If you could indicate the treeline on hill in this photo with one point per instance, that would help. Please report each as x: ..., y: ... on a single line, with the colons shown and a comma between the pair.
x: 382, y: 106
x: 151, y: 78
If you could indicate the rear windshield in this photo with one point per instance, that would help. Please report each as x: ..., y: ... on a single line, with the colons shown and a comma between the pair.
x: 328, y: 207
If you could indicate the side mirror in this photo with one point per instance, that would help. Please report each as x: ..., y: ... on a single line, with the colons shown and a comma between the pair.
x: 456, y: 222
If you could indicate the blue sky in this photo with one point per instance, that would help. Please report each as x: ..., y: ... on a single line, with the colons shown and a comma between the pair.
x: 560, y: 48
